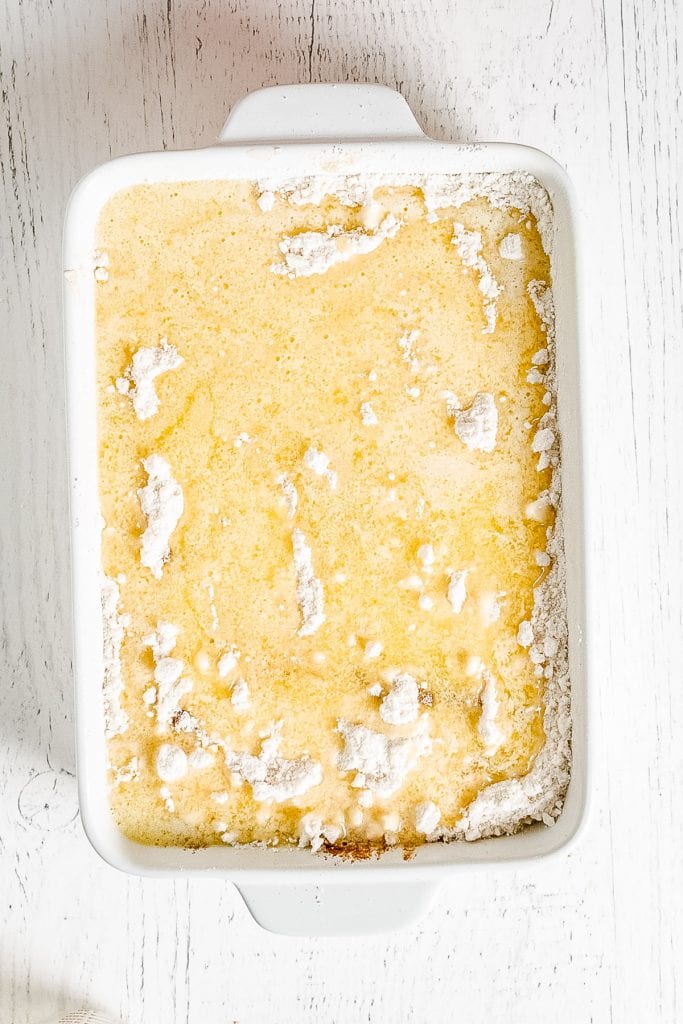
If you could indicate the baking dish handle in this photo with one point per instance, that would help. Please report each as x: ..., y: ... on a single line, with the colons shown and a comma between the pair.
x: 319, y: 113
x: 364, y: 908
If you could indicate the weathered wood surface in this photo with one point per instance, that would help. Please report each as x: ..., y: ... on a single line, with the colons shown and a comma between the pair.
x: 593, y: 936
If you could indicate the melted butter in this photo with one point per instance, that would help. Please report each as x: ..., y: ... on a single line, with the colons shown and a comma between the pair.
x: 289, y: 362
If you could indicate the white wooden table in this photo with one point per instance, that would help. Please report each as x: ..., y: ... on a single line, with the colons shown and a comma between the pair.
x: 593, y: 936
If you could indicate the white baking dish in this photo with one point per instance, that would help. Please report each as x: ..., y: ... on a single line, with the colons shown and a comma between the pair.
x: 282, y: 132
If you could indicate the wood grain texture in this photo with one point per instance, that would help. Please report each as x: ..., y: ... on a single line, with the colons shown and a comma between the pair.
x: 595, y: 935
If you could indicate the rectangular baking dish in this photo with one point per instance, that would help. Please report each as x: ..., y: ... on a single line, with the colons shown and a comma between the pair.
x: 289, y: 132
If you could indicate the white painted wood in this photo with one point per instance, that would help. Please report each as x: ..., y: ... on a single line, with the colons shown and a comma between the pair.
x: 593, y: 936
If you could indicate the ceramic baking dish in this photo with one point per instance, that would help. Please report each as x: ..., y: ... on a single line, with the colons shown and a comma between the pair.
x: 295, y: 131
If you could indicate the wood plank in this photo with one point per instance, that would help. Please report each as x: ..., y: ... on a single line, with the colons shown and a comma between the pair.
x: 594, y: 935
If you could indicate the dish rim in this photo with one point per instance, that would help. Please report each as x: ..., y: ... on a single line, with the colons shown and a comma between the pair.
x: 240, y: 161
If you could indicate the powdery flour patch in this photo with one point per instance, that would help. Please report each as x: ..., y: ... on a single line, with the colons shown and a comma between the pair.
x: 162, y: 504
x: 138, y: 381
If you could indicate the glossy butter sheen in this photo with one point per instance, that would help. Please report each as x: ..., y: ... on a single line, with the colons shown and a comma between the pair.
x: 289, y: 363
